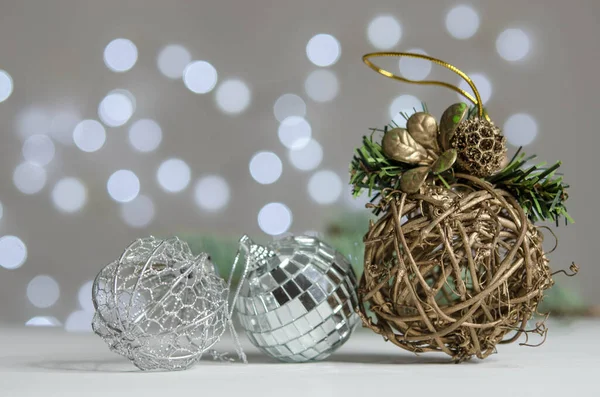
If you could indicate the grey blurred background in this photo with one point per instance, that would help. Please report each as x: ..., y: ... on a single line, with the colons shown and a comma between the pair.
x: 111, y: 129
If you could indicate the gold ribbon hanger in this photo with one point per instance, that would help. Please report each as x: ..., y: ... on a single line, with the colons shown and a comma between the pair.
x: 475, y: 100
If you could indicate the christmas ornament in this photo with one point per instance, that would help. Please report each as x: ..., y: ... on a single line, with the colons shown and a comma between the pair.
x: 455, y: 262
x: 161, y: 306
x: 297, y: 300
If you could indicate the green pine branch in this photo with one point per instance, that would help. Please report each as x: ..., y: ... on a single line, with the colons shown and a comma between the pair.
x: 539, y: 190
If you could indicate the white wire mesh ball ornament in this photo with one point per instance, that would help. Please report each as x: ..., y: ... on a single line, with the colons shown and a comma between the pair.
x: 297, y: 301
x: 161, y: 306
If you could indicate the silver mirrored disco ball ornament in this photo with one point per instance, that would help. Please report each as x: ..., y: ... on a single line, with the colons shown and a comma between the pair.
x: 161, y: 306
x: 297, y: 300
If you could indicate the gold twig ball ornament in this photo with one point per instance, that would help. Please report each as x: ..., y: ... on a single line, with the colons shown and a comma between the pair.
x: 452, y: 270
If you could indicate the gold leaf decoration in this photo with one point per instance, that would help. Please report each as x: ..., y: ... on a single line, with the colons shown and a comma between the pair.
x: 411, y: 180
x: 398, y: 145
x: 444, y: 162
x: 423, y: 128
x: 451, y: 118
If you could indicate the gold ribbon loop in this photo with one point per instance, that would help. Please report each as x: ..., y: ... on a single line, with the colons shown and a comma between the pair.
x: 475, y: 100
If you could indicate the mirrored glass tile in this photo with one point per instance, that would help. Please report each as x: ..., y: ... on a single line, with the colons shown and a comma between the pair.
x: 329, y: 326
x: 272, y: 351
x: 326, y: 252
x: 292, y: 289
x: 279, y: 275
x: 302, y: 281
x: 291, y: 331
x: 306, y: 341
x: 284, y: 351
x: 295, y: 346
x: 290, y: 267
x: 333, y: 277
x: 343, y: 262
x: 312, y: 274
x: 301, y: 259
x: 333, y: 338
x: 269, y: 301
x: 249, y: 306
x: 307, y: 301
x: 343, y: 330
x: 338, y: 269
x: 259, y: 305
x: 269, y: 339
x: 314, y: 317
x: 347, y: 310
x: 310, y: 353
x: 280, y: 296
x: 324, y: 310
x: 296, y: 308
x: 280, y: 336
x: 303, y: 325
x: 317, y: 294
x: 273, y: 319
x: 258, y: 337
x: 318, y: 334
x: 333, y: 302
x: 267, y: 282
x: 284, y: 315
x: 305, y: 240
x: 263, y: 323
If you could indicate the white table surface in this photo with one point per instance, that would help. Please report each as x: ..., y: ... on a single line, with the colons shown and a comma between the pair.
x: 50, y: 362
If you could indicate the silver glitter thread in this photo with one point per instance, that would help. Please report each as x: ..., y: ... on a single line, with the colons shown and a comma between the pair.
x: 297, y: 302
x: 161, y: 306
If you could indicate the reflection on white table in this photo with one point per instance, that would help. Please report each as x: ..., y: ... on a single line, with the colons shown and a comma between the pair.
x: 49, y: 362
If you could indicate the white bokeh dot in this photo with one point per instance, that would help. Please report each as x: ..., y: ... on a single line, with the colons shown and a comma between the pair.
x: 404, y: 104
x: 13, y: 252
x: 294, y: 132
x: 384, y: 32
x: 43, y: 291
x: 29, y: 178
x: 145, y: 135
x: 123, y: 186
x: 84, y: 296
x: 38, y: 149
x: 322, y: 85
x: 275, y: 218
x: 415, y: 68
x: 200, y: 77
x: 89, y: 135
x: 79, y: 321
x: 6, y: 85
x: 211, y: 193
x: 483, y: 84
x: 172, y: 60
x: 42, y: 321
x: 323, y: 50
x: 139, y: 212
x: 233, y: 96
x: 120, y: 55
x: 265, y: 167
x: 173, y: 175
x: 325, y: 187
x: 69, y: 195
x: 462, y: 22
x: 116, y: 108
x: 513, y: 44
x: 520, y: 129
x: 62, y: 125
x: 307, y: 158
x: 289, y: 105
x: 34, y: 120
